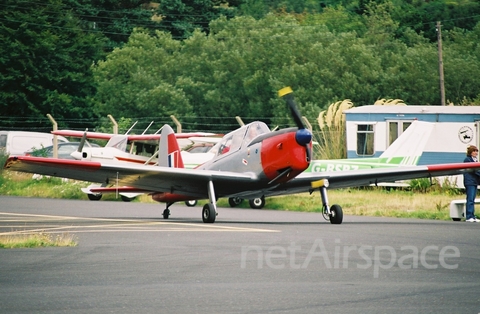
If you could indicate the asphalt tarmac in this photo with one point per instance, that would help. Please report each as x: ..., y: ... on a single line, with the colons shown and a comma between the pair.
x: 130, y: 260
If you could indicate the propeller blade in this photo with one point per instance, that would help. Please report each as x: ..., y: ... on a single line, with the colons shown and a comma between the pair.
x: 309, y: 153
x: 82, y: 141
x: 303, y: 136
x: 287, y: 94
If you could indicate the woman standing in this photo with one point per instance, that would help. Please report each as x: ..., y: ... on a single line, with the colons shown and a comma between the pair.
x: 471, y: 180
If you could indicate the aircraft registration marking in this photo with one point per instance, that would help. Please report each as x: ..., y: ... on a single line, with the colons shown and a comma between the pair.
x: 319, y: 167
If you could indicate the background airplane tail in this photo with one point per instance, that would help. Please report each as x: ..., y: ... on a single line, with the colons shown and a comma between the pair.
x: 169, y: 153
x: 407, y: 149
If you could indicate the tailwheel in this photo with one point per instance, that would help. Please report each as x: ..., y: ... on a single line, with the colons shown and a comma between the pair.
x: 336, y: 214
x: 234, y: 201
x: 208, y: 213
x: 166, y: 213
x: 257, y: 203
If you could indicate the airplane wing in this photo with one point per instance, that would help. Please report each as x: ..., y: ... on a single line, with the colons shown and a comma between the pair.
x: 193, y: 182
x: 183, y: 181
x: 144, y: 137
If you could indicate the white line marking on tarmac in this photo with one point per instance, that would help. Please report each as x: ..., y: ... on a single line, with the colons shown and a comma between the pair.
x: 122, y: 225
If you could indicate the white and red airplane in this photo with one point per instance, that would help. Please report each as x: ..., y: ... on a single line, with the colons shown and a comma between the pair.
x: 136, y: 149
x: 140, y: 149
x: 250, y: 162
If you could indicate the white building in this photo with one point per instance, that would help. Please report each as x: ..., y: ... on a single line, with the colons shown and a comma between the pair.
x: 371, y: 129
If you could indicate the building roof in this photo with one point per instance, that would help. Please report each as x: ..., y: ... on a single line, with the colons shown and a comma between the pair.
x: 416, y: 109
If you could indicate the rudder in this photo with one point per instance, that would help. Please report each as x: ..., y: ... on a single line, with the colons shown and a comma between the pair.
x: 169, y: 153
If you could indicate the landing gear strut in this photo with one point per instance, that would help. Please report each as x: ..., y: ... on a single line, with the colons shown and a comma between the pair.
x: 334, y: 213
x: 209, y: 212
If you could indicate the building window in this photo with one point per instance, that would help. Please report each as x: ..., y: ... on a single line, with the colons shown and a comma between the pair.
x: 395, y: 129
x: 365, y: 140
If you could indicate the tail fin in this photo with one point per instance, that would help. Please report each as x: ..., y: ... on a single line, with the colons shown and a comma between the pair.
x: 408, y: 147
x: 169, y: 154
x: 118, y: 141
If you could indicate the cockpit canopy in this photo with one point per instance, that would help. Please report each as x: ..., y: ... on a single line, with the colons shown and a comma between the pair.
x: 239, y: 138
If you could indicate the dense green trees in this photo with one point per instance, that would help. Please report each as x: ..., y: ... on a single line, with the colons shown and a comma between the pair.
x: 45, y: 62
x: 181, y: 18
x: 113, y: 19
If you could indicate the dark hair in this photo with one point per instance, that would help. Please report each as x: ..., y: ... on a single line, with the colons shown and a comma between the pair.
x: 471, y: 149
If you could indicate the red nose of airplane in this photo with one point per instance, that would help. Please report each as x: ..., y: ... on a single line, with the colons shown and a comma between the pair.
x: 286, y: 155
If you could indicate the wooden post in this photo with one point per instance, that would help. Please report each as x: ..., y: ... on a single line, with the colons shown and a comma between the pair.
x: 55, y: 139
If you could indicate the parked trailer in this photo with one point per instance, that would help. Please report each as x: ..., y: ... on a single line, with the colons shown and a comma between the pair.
x: 371, y: 129
x: 18, y: 142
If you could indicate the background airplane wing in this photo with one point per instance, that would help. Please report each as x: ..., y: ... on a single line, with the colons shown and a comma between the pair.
x: 144, y: 137
x: 89, y: 135
x: 344, y: 179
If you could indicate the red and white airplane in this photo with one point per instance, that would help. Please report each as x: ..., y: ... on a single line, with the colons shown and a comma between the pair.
x: 136, y: 149
x: 250, y: 162
x: 139, y: 149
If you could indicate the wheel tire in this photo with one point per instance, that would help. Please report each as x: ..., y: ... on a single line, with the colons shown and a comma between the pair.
x: 126, y: 199
x: 336, y: 216
x: 208, y: 213
x: 257, y: 203
x: 94, y: 197
x: 166, y: 213
x: 234, y: 201
x: 191, y: 203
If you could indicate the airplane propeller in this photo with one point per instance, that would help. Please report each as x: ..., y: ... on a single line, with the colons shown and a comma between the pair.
x: 78, y: 154
x: 303, y: 135
x: 287, y: 94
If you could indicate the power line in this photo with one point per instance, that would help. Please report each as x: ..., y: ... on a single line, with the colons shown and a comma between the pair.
x: 151, y: 26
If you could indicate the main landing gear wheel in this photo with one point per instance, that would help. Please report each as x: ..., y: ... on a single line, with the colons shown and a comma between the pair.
x: 166, y: 213
x: 336, y: 214
x: 126, y: 198
x: 191, y: 203
x: 94, y: 197
x: 234, y: 201
x: 257, y: 203
x: 208, y: 213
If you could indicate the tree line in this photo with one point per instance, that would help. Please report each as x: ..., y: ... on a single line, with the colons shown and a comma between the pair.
x: 207, y: 61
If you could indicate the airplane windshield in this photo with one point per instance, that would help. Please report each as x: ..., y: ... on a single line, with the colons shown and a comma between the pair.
x: 254, y: 130
x: 241, y: 137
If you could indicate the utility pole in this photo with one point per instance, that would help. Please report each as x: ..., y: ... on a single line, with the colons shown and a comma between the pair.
x: 440, y: 63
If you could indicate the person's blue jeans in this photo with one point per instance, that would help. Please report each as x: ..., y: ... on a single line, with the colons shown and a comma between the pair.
x: 471, y: 191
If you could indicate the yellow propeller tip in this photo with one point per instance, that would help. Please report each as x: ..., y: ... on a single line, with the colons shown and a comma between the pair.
x: 284, y: 91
